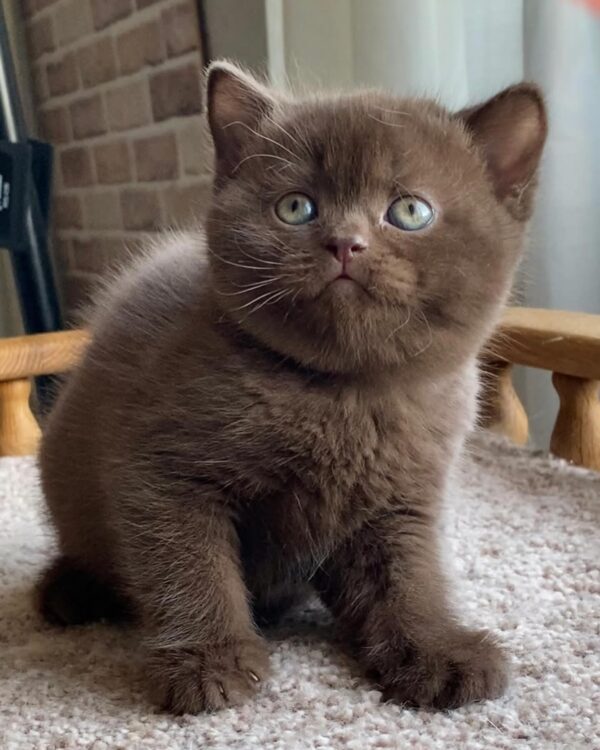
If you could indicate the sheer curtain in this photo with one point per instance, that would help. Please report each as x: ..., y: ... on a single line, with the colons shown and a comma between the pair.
x: 463, y: 51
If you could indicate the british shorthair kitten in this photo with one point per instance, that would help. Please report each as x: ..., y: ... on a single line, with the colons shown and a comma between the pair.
x: 274, y: 406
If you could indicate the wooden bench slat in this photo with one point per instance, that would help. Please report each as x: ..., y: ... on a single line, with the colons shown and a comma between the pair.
x: 555, y: 340
x: 41, y: 354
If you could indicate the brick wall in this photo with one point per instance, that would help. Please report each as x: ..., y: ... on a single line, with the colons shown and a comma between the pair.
x: 118, y: 92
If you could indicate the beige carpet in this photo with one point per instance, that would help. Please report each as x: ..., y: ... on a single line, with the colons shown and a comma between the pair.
x: 524, y: 534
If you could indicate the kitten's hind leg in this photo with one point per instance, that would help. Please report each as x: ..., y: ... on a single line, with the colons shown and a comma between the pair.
x: 70, y: 594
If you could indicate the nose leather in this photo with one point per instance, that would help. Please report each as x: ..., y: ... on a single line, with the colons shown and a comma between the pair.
x: 344, y: 248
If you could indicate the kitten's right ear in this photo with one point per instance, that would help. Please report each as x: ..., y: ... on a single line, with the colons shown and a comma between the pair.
x: 237, y: 102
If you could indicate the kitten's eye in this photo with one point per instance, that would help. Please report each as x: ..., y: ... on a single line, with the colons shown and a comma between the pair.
x: 296, y: 208
x: 410, y: 213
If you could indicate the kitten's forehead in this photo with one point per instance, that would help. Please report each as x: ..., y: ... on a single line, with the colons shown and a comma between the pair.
x: 364, y: 142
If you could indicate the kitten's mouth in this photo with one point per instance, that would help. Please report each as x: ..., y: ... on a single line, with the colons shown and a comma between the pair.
x: 346, y: 281
x: 343, y: 281
x: 344, y: 276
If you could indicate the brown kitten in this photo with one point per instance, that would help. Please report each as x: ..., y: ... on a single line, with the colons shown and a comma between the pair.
x: 287, y: 412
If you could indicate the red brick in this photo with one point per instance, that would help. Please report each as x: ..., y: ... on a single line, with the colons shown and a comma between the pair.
x: 187, y: 204
x: 102, y: 210
x: 40, y: 83
x: 73, y: 21
x: 176, y: 92
x: 76, y: 166
x: 115, y: 253
x: 180, y: 27
x: 41, y: 36
x: 28, y: 7
x: 97, y: 254
x: 196, y: 147
x: 128, y: 106
x: 97, y: 63
x: 140, y: 46
x: 156, y: 158
x: 86, y: 254
x: 61, y: 252
x: 78, y: 292
x: 33, y: 6
x: 67, y: 212
x: 141, y: 209
x: 62, y: 75
x: 106, y: 12
x: 112, y: 162
x: 87, y: 116
x: 54, y: 125
x: 41, y: 4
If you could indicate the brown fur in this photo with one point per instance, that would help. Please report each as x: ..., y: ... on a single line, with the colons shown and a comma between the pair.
x: 239, y: 429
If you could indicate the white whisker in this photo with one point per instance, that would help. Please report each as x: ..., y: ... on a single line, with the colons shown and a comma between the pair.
x: 266, y: 156
x: 275, y: 297
x: 401, y: 326
x: 248, y: 288
x: 264, y: 137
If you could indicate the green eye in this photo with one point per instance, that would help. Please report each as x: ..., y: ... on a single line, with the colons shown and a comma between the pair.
x: 410, y: 213
x: 295, y: 209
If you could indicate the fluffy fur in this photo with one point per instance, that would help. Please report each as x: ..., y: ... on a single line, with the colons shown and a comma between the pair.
x: 246, y: 426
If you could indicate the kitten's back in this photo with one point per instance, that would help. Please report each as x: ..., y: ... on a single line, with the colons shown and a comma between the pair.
x: 154, y: 290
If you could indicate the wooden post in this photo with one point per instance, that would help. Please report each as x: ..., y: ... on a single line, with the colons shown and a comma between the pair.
x: 21, y: 358
x: 19, y: 431
x: 576, y: 435
x: 501, y: 408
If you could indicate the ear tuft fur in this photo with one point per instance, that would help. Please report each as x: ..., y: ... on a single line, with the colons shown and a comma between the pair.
x: 236, y: 103
x: 510, y: 130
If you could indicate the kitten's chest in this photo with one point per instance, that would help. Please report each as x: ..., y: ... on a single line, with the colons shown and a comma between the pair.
x: 316, y: 466
x: 333, y: 450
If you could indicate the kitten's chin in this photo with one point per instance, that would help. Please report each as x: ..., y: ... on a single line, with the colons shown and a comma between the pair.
x: 344, y: 288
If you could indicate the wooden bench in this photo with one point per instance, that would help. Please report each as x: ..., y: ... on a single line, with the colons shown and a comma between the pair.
x: 565, y: 343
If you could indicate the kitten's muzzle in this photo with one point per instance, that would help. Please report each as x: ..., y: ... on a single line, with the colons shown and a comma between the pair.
x: 344, y: 249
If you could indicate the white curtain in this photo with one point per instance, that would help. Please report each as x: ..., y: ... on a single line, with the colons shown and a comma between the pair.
x: 464, y: 51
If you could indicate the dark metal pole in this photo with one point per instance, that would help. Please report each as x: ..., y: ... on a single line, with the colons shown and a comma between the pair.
x: 32, y: 268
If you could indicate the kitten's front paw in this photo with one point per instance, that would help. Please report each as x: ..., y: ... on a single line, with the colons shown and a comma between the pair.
x: 209, y: 678
x: 470, y: 667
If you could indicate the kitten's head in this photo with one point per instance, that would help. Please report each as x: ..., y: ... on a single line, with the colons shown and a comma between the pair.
x: 362, y: 231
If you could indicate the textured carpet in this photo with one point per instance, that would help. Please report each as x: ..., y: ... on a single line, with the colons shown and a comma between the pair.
x: 523, y: 531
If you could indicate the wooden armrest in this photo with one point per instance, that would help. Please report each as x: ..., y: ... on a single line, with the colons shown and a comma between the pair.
x: 568, y: 345
x: 21, y: 358
x: 41, y: 354
x: 555, y: 340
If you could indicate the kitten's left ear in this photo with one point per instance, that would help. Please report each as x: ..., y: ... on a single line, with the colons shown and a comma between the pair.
x: 510, y: 130
x: 236, y: 104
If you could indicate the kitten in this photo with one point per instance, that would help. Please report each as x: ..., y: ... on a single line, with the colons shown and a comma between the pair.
x: 283, y: 411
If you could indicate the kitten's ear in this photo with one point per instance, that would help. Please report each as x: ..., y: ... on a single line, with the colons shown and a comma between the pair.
x: 510, y: 130
x: 236, y: 104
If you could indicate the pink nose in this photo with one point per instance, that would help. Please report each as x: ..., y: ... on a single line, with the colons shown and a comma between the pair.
x: 344, y: 248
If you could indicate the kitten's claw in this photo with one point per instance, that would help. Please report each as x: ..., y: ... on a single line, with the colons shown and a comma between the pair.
x: 211, y: 678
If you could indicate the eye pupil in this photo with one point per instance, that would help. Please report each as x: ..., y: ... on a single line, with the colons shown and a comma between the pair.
x: 410, y: 214
x: 296, y: 209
